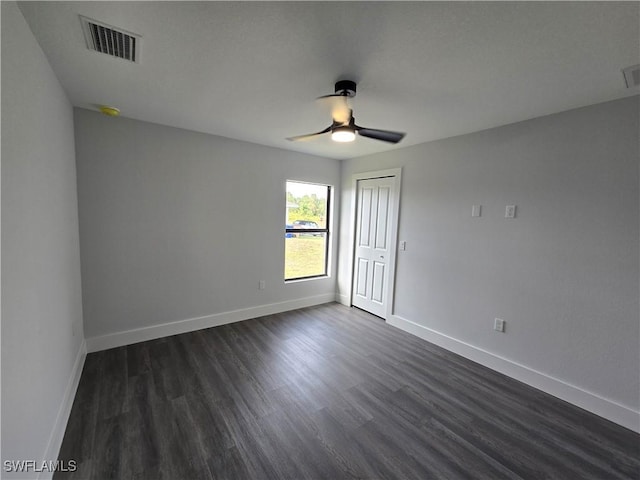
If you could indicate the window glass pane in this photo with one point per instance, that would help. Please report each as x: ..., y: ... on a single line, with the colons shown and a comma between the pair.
x: 306, y: 209
x: 304, y: 255
x: 307, y: 202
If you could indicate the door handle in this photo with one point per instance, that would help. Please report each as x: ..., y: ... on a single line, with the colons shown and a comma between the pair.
x: 382, y: 257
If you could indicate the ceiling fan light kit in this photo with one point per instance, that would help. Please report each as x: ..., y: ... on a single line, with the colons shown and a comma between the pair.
x: 343, y: 134
x: 344, y: 129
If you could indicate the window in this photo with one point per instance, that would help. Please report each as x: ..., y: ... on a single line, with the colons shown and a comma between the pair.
x: 306, y: 253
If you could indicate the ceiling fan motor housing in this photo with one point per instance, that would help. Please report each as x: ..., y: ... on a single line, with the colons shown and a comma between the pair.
x: 346, y: 88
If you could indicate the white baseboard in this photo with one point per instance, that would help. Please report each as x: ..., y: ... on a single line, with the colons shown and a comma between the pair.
x: 589, y: 401
x: 343, y: 299
x: 118, y: 339
x: 57, y: 434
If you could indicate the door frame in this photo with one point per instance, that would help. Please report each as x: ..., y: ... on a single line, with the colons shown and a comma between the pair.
x: 394, y: 217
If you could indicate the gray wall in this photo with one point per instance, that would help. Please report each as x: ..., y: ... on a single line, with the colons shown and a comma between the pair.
x: 563, y: 274
x: 176, y: 225
x: 42, y: 335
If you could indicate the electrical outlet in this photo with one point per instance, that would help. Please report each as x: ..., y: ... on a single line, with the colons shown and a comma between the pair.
x: 476, y: 210
x: 262, y: 284
x: 510, y: 211
x: 498, y: 325
x: 403, y: 245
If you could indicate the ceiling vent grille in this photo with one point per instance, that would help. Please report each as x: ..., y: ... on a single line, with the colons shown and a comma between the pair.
x: 632, y: 76
x: 110, y: 40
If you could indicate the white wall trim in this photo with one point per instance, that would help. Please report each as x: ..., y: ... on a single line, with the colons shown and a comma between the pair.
x: 620, y: 414
x: 127, y: 337
x: 343, y: 299
x: 60, y: 425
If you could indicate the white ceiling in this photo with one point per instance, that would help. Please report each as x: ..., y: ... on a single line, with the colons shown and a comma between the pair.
x: 251, y: 70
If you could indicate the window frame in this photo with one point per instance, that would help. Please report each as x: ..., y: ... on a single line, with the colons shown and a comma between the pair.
x: 314, y: 230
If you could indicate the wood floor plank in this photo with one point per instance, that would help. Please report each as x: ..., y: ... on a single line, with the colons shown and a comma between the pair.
x: 338, y: 439
x: 113, y: 383
x: 326, y: 392
x: 227, y: 464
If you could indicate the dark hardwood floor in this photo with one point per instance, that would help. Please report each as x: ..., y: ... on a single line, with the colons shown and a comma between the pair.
x: 326, y: 392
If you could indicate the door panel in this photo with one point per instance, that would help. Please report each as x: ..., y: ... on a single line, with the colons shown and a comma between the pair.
x: 371, y: 254
x: 377, y: 293
x: 365, y: 217
x: 361, y: 275
x: 382, y: 220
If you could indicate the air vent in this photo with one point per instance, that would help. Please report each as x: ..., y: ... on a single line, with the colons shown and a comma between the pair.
x: 111, y: 40
x: 632, y: 76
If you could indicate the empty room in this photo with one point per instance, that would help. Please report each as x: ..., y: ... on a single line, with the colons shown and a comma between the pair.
x: 320, y: 240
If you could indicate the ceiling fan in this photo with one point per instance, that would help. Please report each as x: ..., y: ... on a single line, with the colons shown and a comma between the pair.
x: 344, y: 128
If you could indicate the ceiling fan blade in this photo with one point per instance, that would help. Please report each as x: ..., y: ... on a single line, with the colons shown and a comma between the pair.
x: 384, y: 135
x: 339, y: 106
x: 340, y: 112
x: 331, y: 95
x: 309, y: 135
